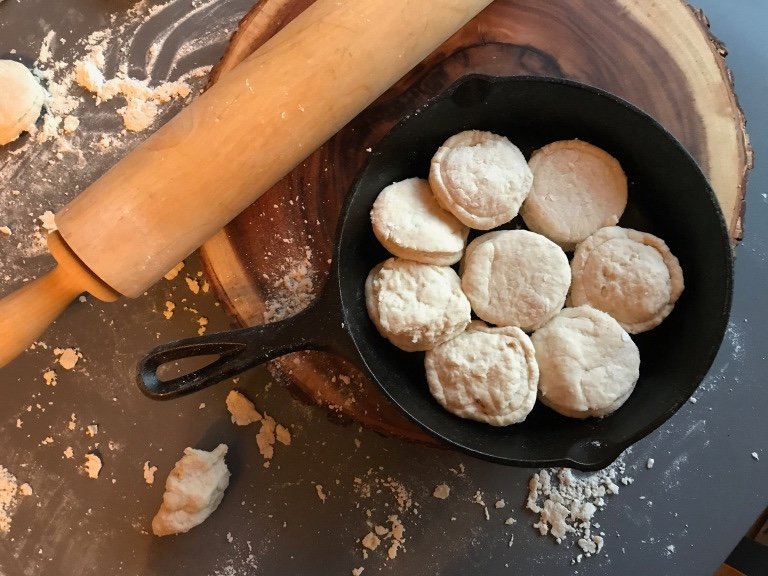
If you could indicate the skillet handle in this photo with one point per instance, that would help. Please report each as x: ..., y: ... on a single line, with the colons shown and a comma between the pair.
x: 238, y: 351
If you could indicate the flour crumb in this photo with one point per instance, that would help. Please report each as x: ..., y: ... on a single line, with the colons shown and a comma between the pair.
x: 670, y: 549
x: 442, y: 491
x: 649, y: 464
x: 755, y: 456
x: 320, y: 492
x: 19, y: 422
x: 499, y: 504
x: 283, y: 435
x: 72, y: 424
x: 47, y: 440
x: 357, y: 571
x: 5, y: 231
x: 149, y: 473
x: 69, y: 453
x: 92, y: 465
x: 67, y: 357
x: 25, y: 489
x: 92, y: 430
x: 48, y: 221
x: 202, y: 322
x: 370, y: 541
x: 50, y: 378
x: 193, y: 285
x: 265, y: 438
x: 169, y: 308
x: 509, y: 521
x: 242, y: 410
x: 173, y: 272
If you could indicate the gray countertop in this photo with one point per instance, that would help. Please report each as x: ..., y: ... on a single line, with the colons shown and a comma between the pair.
x: 701, y: 495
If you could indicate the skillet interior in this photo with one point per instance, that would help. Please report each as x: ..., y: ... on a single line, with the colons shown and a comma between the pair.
x: 668, y: 196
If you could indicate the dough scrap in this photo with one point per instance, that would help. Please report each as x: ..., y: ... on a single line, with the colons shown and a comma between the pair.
x: 193, y: 490
x: 515, y: 278
x: 485, y: 374
x: 588, y: 364
x: 631, y: 275
x: 409, y: 223
x: 481, y: 178
x: 416, y: 306
x: 577, y: 188
x: 21, y: 100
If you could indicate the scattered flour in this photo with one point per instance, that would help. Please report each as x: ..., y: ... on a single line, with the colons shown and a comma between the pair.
x: 293, y: 289
x: 320, y: 492
x: 243, y: 413
x: 566, y: 503
x: 8, y: 501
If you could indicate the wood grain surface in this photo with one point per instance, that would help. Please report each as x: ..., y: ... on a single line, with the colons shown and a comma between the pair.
x: 272, y: 259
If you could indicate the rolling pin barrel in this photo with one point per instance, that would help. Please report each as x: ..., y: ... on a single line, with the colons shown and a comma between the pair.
x: 212, y: 160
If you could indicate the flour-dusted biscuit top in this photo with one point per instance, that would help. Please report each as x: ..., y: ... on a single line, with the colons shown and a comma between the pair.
x: 485, y: 374
x: 481, y: 178
x: 631, y: 275
x: 588, y: 364
x: 416, y: 306
x: 21, y: 100
x: 409, y: 223
x: 577, y: 188
x: 515, y: 278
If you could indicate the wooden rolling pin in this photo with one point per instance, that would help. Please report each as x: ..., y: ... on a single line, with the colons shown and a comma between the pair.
x: 230, y: 145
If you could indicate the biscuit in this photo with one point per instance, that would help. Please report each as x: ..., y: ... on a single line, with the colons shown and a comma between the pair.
x: 515, y: 278
x: 588, y: 364
x: 409, y: 223
x: 485, y: 374
x: 416, y: 306
x: 481, y: 178
x: 631, y: 275
x: 577, y: 188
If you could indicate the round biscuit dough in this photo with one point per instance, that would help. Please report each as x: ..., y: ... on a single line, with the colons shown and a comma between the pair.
x: 485, y: 374
x: 481, y: 178
x: 577, y: 188
x: 409, y: 223
x: 588, y: 364
x: 631, y: 275
x: 416, y: 306
x: 21, y: 100
x: 515, y: 278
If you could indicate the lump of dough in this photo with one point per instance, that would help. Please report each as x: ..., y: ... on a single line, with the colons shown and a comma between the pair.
x: 416, y: 306
x: 481, y: 178
x: 588, y: 364
x: 485, y: 374
x: 409, y: 223
x: 577, y: 188
x: 21, y: 100
x: 515, y: 278
x: 193, y: 490
x: 631, y: 275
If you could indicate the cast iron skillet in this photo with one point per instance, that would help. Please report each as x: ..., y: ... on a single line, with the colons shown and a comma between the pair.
x: 669, y: 197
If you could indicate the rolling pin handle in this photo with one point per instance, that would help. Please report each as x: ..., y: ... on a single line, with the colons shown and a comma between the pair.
x: 26, y: 313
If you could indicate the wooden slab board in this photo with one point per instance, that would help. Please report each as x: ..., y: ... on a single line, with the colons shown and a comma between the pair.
x: 272, y: 259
